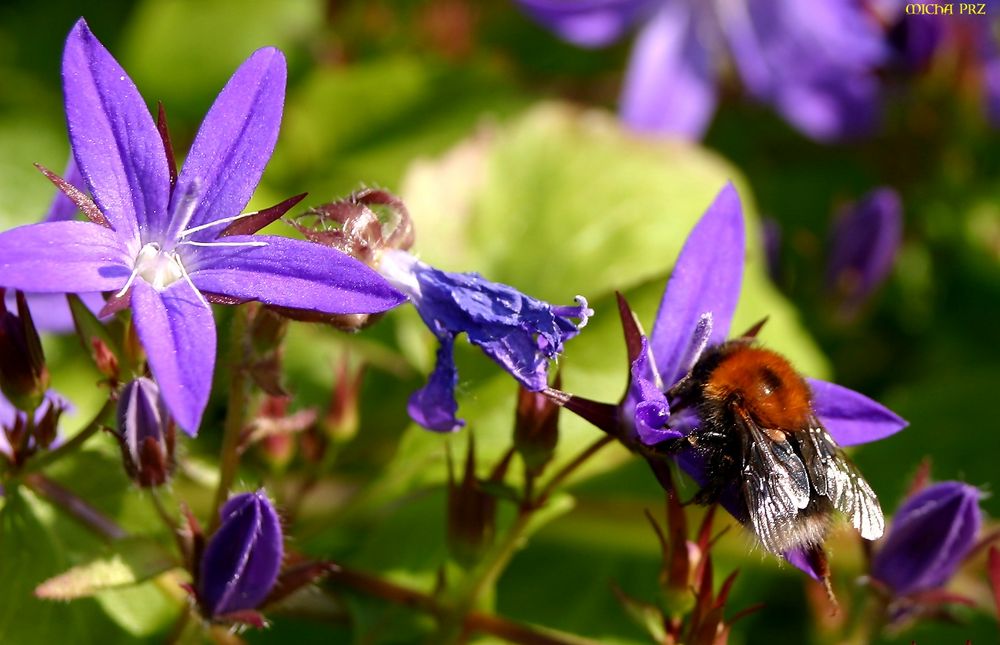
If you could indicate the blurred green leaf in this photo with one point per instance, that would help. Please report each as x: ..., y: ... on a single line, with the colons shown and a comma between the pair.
x: 133, y: 560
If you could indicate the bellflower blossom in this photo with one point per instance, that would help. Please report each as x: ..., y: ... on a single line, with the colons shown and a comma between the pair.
x: 695, y: 313
x: 813, y: 61
x: 164, y: 243
x: 931, y: 534
x: 517, y: 331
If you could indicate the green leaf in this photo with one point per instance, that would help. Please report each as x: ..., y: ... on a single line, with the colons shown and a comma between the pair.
x: 134, y: 560
x: 36, y: 543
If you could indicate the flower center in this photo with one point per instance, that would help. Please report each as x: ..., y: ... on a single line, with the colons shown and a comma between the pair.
x: 157, y: 267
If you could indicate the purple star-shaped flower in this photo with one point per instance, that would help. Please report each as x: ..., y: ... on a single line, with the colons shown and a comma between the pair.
x: 517, y: 331
x: 165, y: 243
x: 696, y: 312
x: 930, y: 535
x: 813, y: 61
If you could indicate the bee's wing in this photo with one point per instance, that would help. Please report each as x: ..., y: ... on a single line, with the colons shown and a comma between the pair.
x: 775, y: 486
x: 833, y: 475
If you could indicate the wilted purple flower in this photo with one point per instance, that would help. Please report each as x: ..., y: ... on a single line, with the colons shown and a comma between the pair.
x: 813, y: 61
x: 164, y: 244
x: 517, y: 331
x: 145, y: 432
x: 242, y: 558
x: 930, y: 535
x: 863, y: 245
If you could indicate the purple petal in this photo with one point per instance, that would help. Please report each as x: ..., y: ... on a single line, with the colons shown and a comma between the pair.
x: 863, y: 247
x: 434, y: 406
x: 242, y: 558
x: 112, y: 134
x: 63, y: 257
x: 291, y: 273
x: 177, y: 330
x: 706, y: 279
x: 587, y: 23
x: 831, y: 108
x: 991, y: 89
x: 852, y: 418
x: 645, y: 404
x: 800, y: 560
x: 62, y: 207
x: 234, y: 142
x: 930, y: 535
x: 814, y: 61
x: 670, y: 84
x: 50, y: 311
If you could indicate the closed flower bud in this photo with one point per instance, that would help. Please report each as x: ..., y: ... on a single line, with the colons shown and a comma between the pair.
x: 242, y: 559
x: 24, y: 377
x: 146, y: 433
x: 472, y: 514
x: 931, y: 534
x: 536, y: 428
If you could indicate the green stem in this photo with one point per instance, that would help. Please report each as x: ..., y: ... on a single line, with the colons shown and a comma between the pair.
x: 45, y: 459
x: 454, y: 624
x: 236, y: 408
x: 68, y: 502
x: 475, y: 621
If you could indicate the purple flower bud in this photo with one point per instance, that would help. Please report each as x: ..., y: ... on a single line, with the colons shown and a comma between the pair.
x: 863, y: 246
x: 20, y: 439
x: 242, y: 558
x: 146, y: 433
x: 24, y: 378
x: 930, y: 535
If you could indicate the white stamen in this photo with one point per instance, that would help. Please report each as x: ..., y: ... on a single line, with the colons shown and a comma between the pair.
x: 193, y: 243
x: 128, y: 284
x: 157, y: 267
x: 187, y: 279
x: 224, y: 220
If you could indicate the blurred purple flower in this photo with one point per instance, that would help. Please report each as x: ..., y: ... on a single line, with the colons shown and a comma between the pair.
x: 162, y: 244
x: 863, y: 244
x: 963, y: 39
x: 242, y: 558
x: 517, y: 331
x: 930, y: 535
x: 814, y: 62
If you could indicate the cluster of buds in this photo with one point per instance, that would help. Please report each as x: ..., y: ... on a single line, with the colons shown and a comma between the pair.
x: 690, y: 610
x: 362, y: 225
